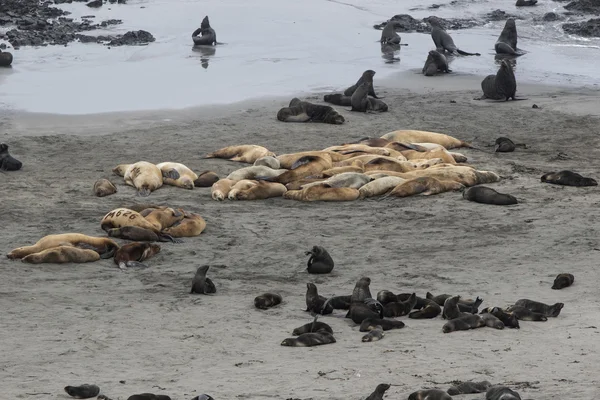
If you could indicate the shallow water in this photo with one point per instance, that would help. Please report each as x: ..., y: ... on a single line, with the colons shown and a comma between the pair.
x: 272, y: 48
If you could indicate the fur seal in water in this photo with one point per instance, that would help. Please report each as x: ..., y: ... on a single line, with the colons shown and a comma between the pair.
x: 8, y: 162
x: 320, y: 262
x: 105, y: 247
x: 562, y: 281
x: 463, y: 323
x: 303, y: 111
x: 435, y: 62
x: 507, y: 42
x: 500, y: 392
x: 375, y: 333
x: 568, y: 178
x: 501, y: 86
x: 386, y: 324
x: 379, y: 392
x: 137, y: 234
x: 208, y: 36
x: 536, y: 306
x: 389, y: 34
x: 350, y: 91
x: 429, y: 394
x: 316, y: 303
x: 309, y: 339
x: 201, y: 284
x: 82, y: 391
x: 104, y: 187
x: 267, y: 300
x: 6, y: 58
x: 442, y: 40
x: 469, y: 388
x: 486, y: 195
x: 132, y: 254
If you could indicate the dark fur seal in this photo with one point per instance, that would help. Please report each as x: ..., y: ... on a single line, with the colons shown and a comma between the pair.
x: 82, y: 391
x: 206, y: 179
x: 526, y: 3
x: 315, y: 326
x: 386, y: 324
x: 350, y: 91
x: 385, y: 297
x: 379, y: 392
x: 360, y: 311
x: 267, y: 300
x: 374, y: 334
x: 450, y: 310
x: 468, y: 306
x: 499, y: 392
x: 435, y: 62
x: 501, y: 86
x: 316, y: 303
x: 340, y: 302
x: 443, y: 41
x: 568, y: 178
x: 361, y: 290
x: 486, y: 195
x: 132, y: 254
x: 201, y: 284
x: 389, y: 34
x: 469, y: 388
x: 359, y: 99
x: 504, y: 145
x: 463, y: 323
x: 562, y: 281
x: 208, y: 36
x: 507, y: 42
x: 8, y: 162
x: 320, y: 262
x: 508, y: 319
x: 341, y: 100
x: 138, y: 234
x: 429, y: 394
x: 492, y: 321
x: 6, y: 59
x: 430, y: 310
x: 303, y: 111
x: 399, y: 308
x: 148, y: 396
x: 309, y: 339
x: 525, y: 314
x: 536, y: 306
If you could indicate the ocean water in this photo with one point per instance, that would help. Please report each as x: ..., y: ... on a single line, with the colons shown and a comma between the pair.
x: 271, y: 48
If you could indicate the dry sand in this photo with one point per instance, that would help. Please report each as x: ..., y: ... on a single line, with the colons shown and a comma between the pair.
x: 141, y: 330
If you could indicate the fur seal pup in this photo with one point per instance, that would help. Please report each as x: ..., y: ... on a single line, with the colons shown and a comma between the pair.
x: 442, y: 40
x: 386, y: 324
x: 6, y: 58
x: 148, y: 396
x: 468, y: 306
x: 201, y: 284
x: 246, y: 153
x: 316, y: 303
x: 138, y: 234
x: 425, y: 186
x: 104, y: 187
x: 429, y: 394
x: 315, y: 326
x: 504, y: 145
x: 359, y: 99
x: 8, y: 162
x: 562, y: 281
x: 309, y: 339
x: 319, y: 262
x: 536, y: 306
x: 82, y: 391
x: 267, y: 300
x: 429, y: 310
x: 205, y: 35
x: 507, y: 42
x: 435, y: 62
x: 501, y: 86
x: 469, y: 388
x: 144, y: 176
x: 268, y: 161
x: 303, y: 111
x: 500, y: 392
x: 375, y: 333
x: 191, y: 225
x: 525, y: 314
x: 105, y: 247
x: 132, y: 254
x: 463, y: 323
x: 220, y: 189
x: 568, y: 178
x: 379, y: 392
x: 389, y: 34
x: 492, y: 321
x: 350, y: 91
x: 399, y: 308
x: 486, y: 195
x: 508, y: 319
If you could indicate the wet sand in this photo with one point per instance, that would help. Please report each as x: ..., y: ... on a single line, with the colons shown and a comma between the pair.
x: 141, y: 331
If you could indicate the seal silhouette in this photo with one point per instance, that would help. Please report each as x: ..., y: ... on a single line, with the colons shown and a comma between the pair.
x: 359, y: 99
x: 568, y: 178
x: 201, y: 284
x: 442, y: 40
x: 379, y: 392
x: 486, y: 195
x: 350, y: 91
x: 389, y: 34
x: 319, y: 262
x: 6, y: 58
x: 562, y: 281
x: 507, y: 42
x: 205, y: 35
x: 504, y: 145
x: 8, y: 162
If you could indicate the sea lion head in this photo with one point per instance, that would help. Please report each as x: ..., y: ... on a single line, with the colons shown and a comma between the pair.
x: 287, y: 342
x: 433, y: 21
x: 368, y: 75
x: 333, y: 117
x: 114, y: 232
x: 510, y: 24
x: 120, y: 169
x: 151, y: 249
x: 205, y: 23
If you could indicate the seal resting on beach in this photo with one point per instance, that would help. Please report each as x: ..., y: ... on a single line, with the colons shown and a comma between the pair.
x: 486, y: 195
x: 105, y: 247
x: 525, y: 314
x: 500, y: 392
x: 504, y: 145
x: 148, y: 396
x: 562, y: 281
x: 316, y: 303
x: 262, y: 190
x: 206, y: 179
x: 379, y: 392
x: 359, y: 100
x: 62, y: 254
x: 309, y: 339
x: 426, y: 186
x: 442, y: 40
x: 492, y: 321
x: 205, y: 35
x: 429, y: 394
x: 536, y: 306
x: 303, y: 167
x: 201, y: 284
x: 267, y: 300
x: 463, y: 323
x: 341, y: 100
x: 137, y: 234
x: 508, y: 319
x: 246, y: 153
x: 429, y: 310
x: 375, y: 333
x: 303, y: 111
x: 120, y: 217
x: 191, y: 225
x: 322, y: 193
x: 386, y: 324
x: 507, y: 42
x: 379, y: 186
x: 144, y: 176
x: 435, y: 62
x: 568, y: 178
x: 176, y: 174
x: 6, y: 58
x: 82, y: 391
x: 469, y: 388
x: 319, y: 262
x: 104, y: 187
x: 501, y: 86
x: 314, y: 326
x: 268, y: 161
x: 413, y: 136
x: 350, y: 91
x: 132, y: 254
x: 8, y: 162
x: 220, y: 189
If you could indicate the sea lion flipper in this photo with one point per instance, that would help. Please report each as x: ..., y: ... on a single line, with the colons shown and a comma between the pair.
x: 135, y: 264
x: 171, y: 174
x: 144, y: 192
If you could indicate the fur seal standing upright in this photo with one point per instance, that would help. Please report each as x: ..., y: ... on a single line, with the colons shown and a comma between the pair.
x: 375, y: 333
x: 310, y: 339
x: 320, y: 262
x: 504, y: 145
x: 361, y: 290
x: 208, y: 36
x: 442, y: 40
x: 303, y: 111
x: 267, y: 300
x: 499, y: 392
x: 486, y: 195
x: 430, y: 310
x: 316, y: 303
x: 463, y: 323
x: 138, y: 234
x: 562, y: 281
x: 492, y: 321
x: 435, y: 62
x: 507, y: 42
x: 389, y: 34
x: 379, y: 392
x: 8, y: 162
x: 568, y: 178
x: 469, y: 388
x: 6, y: 58
x: 132, y: 254
x: 246, y: 153
x: 359, y: 99
x: 201, y: 284
x: 191, y: 225
x: 105, y: 247
x: 82, y: 391
x: 536, y: 306
x: 386, y: 324
x: 350, y: 91
x: 144, y: 176
x: 429, y: 394
x: 104, y: 187
x: 501, y: 86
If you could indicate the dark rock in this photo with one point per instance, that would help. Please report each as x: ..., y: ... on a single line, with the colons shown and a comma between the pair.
x: 499, y: 15
x: 95, y: 4
x: 109, y: 22
x: 133, y: 38
x: 589, y: 28
x: 552, y: 16
x: 586, y: 6
x: 407, y: 23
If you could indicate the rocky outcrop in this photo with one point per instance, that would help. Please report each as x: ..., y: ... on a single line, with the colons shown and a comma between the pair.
x: 589, y: 28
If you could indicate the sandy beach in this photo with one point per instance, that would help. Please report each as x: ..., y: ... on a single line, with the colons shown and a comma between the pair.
x: 141, y: 331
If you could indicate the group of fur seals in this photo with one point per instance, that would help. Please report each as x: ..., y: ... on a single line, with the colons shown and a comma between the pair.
x: 360, y: 96
x: 562, y: 281
x: 312, y: 334
x: 8, y: 162
x: 205, y: 35
x: 486, y: 195
x: 320, y: 262
x: 6, y: 58
x: 492, y: 392
x: 303, y: 111
x: 568, y: 178
x: 201, y: 284
x: 267, y: 300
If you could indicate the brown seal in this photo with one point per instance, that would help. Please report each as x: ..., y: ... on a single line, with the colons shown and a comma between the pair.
x: 206, y: 179
x: 492, y: 321
x: 262, y: 190
x: 163, y: 217
x: 82, y: 391
x: 568, y: 178
x: 132, y: 254
x: 429, y: 309
x: 201, y: 284
x: 562, y: 281
x: 319, y: 262
x: 486, y: 195
x: 435, y: 62
x: 104, y: 187
x: 309, y: 339
x: 120, y: 217
x: 507, y: 42
x: 442, y: 40
x: 508, y: 319
x: 501, y: 86
x: 524, y: 314
x: 463, y: 323
x: 415, y: 136
x: 536, y: 306
x: 138, y: 234
x: 247, y: 153
x: 191, y: 225
x: 6, y: 58
x: 316, y: 303
x: 267, y: 300
x: 105, y: 247
x: 303, y: 167
x: 400, y: 308
x: 359, y: 99
x: 303, y: 111
x: 350, y: 91
x: 429, y: 394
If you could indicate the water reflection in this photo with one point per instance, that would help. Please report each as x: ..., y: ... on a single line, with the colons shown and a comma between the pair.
x: 390, y: 52
x: 512, y: 59
x: 205, y: 52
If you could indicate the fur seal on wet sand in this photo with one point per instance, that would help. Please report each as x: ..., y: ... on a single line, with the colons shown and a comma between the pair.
x: 442, y: 40
x: 389, y: 34
x: 82, y: 391
x: 568, y: 178
x: 429, y: 394
x: 104, y: 187
x: 316, y: 303
x: 360, y: 100
x: 319, y: 262
x: 469, y: 388
x: 501, y: 86
x: 144, y: 176
x: 208, y: 36
x: 132, y: 254
x: 415, y: 136
x: 375, y: 333
x: 350, y: 91
x: 303, y: 111
x: 562, y: 281
x: 435, y: 62
x: 267, y: 300
x: 246, y: 153
x: 191, y: 225
x: 138, y: 234
x: 379, y: 392
x: 536, y: 306
x: 463, y: 323
x: 8, y: 162
x: 507, y: 42
x: 309, y: 339
x: 105, y: 247
x: 499, y: 392
x: 201, y: 284
x: 486, y: 195
x: 6, y: 58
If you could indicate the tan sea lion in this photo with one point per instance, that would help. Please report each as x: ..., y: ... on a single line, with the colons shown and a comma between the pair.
x: 176, y: 174
x: 104, y: 187
x: 163, y: 217
x: 382, y: 164
x: 247, y: 153
x: 297, y: 185
x: 268, y: 161
x: 62, y: 254
x: 309, y: 339
x: 206, y: 179
x: 244, y: 184
x: 262, y: 190
x: 288, y: 160
x: 562, y: 281
x: 132, y: 254
x: 254, y: 172
x: 367, y: 158
x: 429, y: 394
x: 468, y: 176
x: 411, y: 136
x: 120, y: 217
x: 144, y: 176
x: 436, y: 153
x: 303, y: 167
x: 381, y: 151
x: 426, y: 186
x: 322, y: 193
x: 220, y: 189
x: 191, y: 225
x: 105, y: 247
x: 328, y: 173
x: 346, y: 179
x: 267, y: 300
